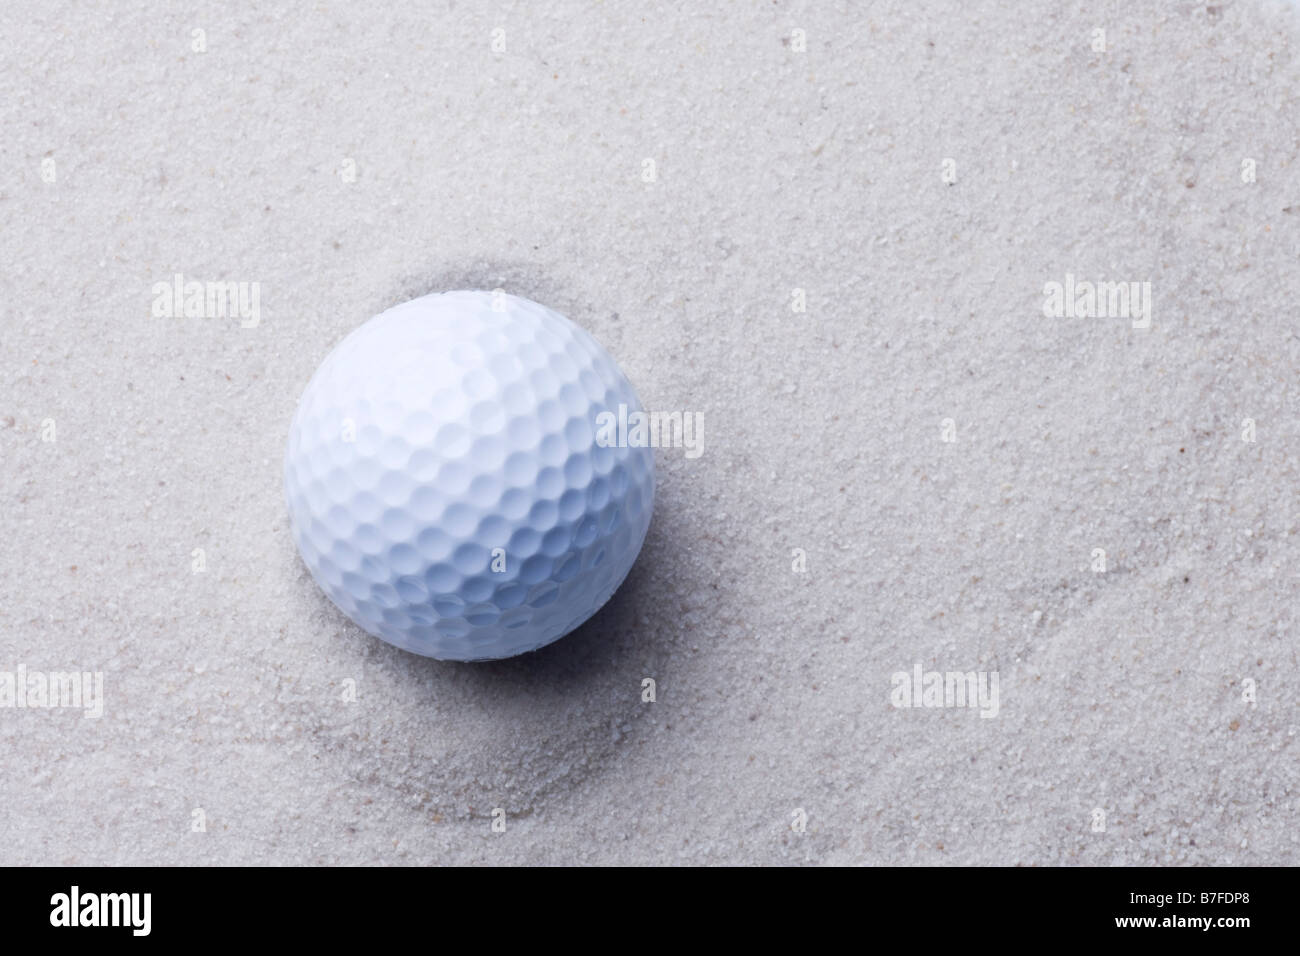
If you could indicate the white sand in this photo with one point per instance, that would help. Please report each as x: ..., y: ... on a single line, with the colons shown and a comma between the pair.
x: 776, y: 169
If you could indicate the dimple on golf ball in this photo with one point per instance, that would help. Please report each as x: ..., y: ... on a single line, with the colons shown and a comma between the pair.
x: 447, y: 484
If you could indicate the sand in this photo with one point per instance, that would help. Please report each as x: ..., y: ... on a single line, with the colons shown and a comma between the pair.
x: 917, y: 469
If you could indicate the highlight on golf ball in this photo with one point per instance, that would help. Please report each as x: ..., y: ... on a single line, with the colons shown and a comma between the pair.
x: 445, y: 483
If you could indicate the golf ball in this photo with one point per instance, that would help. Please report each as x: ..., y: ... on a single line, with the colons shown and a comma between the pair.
x: 450, y: 482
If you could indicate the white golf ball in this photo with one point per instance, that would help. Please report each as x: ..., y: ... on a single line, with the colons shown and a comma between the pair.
x: 445, y: 482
